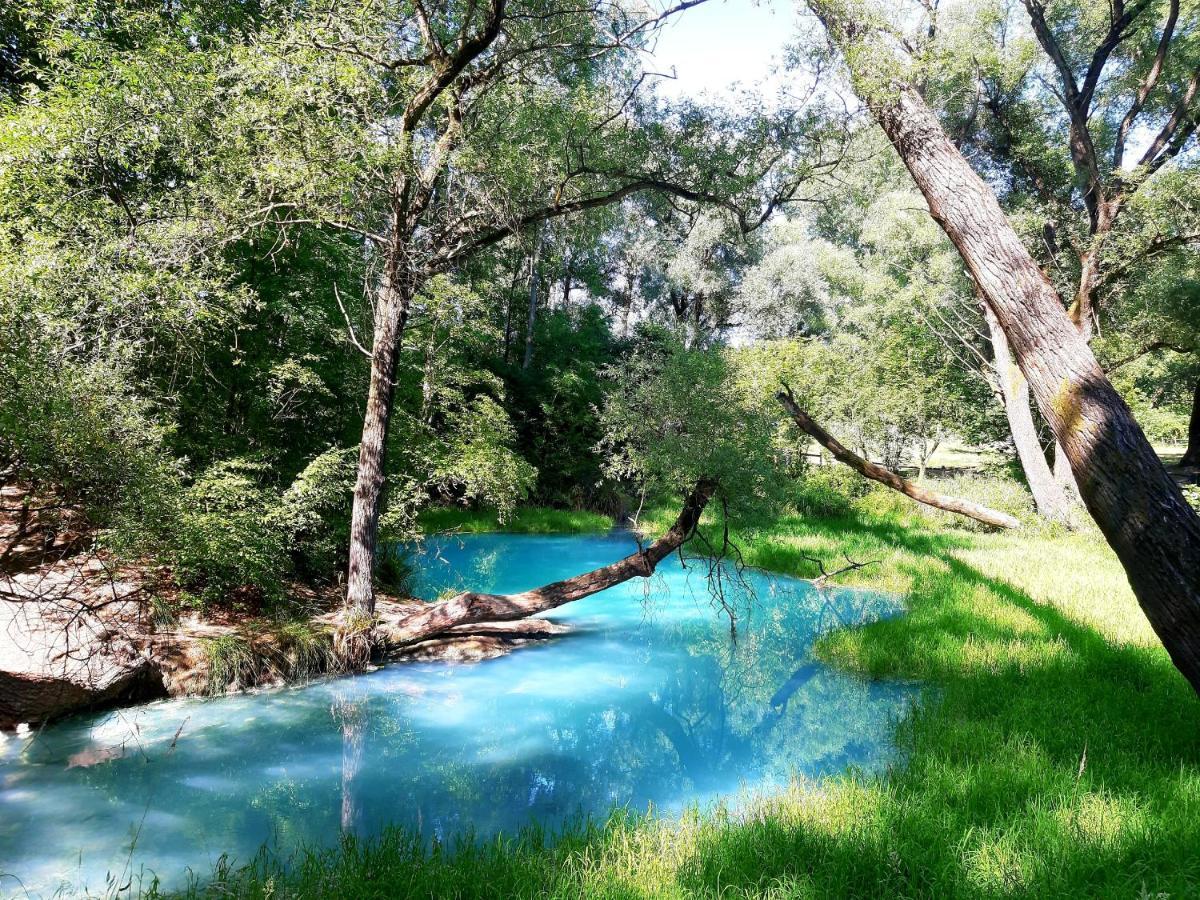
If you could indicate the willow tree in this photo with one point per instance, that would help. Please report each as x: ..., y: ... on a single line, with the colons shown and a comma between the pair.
x: 1137, y: 505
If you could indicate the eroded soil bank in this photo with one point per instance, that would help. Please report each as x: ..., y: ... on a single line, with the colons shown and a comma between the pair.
x: 78, y: 632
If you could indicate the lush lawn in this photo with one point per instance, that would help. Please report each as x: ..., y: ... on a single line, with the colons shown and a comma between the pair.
x: 1057, y: 754
x: 528, y: 520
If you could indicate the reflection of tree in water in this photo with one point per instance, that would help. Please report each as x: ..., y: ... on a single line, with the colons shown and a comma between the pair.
x: 349, y: 714
x: 721, y: 712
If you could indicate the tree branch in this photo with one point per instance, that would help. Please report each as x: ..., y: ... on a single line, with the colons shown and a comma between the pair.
x: 886, y: 476
x: 470, y: 607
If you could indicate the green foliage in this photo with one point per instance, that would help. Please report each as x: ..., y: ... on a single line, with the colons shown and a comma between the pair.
x: 556, y: 401
x: 313, y: 515
x: 677, y: 416
x: 828, y: 490
x: 223, y: 540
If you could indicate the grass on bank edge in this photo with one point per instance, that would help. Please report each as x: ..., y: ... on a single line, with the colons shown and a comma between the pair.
x: 526, y: 520
x: 1057, y: 754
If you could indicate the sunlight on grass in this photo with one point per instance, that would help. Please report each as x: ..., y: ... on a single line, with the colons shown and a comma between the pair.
x: 527, y: 520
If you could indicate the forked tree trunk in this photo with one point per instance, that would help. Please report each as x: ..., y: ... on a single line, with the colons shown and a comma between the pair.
x: 1191, y: 458
x: 1048, y: 495
x: 470, y: 607
x: 1138, y: 506
x: 889, y: 478
x: 391, y: 315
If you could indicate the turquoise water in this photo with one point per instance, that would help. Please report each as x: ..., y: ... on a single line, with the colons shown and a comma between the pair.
x: 648, y: 701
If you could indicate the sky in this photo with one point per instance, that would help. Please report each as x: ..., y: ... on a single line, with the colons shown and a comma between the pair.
x: 718, y: 43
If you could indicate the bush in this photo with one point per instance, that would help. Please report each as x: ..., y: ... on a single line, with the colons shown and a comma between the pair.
x: 314, y: 514
x: 227, y: 546
x: 996, y: 491
x: 75, y: 429
x: 828, y: 490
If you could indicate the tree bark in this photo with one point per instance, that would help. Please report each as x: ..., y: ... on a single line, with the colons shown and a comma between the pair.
x: 1048, y: 495
x: 1191, y: 458
x: 568, y: 278
x: 391, y: 313
x: 470, y: 607
x: 889, y: 478
x: 1137, y: 505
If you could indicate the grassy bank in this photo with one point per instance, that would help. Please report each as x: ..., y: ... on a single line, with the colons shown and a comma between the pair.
x: 528, y: 520
x: 1058, y: 753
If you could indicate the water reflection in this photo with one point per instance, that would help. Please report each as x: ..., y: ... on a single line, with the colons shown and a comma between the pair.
x: 647, y: 702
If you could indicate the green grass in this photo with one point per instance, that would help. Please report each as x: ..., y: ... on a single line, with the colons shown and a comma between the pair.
x: 1057, y: 753
x: 527, y: 520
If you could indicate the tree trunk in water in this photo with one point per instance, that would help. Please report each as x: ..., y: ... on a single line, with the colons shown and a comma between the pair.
x: 392, y: 313
x: 1192, y: 457
x: 1048, y: 495
x: 1138, y: 506
x: 470, y: 607
x: 889, y: 478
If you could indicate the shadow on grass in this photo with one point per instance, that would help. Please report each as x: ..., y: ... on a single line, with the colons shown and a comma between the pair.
x: 1054, y: 761
x: 1049, y: 760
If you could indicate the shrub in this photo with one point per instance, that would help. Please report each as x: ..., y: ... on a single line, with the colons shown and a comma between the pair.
x: 227, y: 546
x: 314, y: 514
x: 828, y: 491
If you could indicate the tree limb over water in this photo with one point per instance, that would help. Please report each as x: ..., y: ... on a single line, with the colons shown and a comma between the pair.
x: 886, y: 476
x: 471, y: 607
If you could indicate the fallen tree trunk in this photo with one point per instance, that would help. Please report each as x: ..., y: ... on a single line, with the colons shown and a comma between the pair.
x: 471, y: 607
x: 887, y: 477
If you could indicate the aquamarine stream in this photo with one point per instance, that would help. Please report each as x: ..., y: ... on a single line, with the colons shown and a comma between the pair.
x: 650, y: 701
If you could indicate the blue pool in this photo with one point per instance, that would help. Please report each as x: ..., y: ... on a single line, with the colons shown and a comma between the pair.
x: 649, y: 701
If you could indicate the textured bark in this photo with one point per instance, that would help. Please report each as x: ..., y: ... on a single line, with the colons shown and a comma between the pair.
x: 1192, y: 457
x: 1137, y: 505
x: 471, y: 607
x: 391, y: 316
x: 889, y: 478
x: 1048, y: 495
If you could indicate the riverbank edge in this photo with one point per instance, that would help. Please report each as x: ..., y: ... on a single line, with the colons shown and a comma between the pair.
x: 81, y: 634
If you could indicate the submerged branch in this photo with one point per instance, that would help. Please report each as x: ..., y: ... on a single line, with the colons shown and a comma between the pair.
x: 889, y: 478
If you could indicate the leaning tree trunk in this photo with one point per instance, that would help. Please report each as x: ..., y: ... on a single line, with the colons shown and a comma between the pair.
x: 391, y: 314
x: 1191, y: 458
x: 889, y: 478
x: 470, y: 607
x: 1138, y: 506
x: 1048, y: 495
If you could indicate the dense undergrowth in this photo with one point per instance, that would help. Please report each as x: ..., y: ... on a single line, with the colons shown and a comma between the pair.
x: 1056, y: 753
